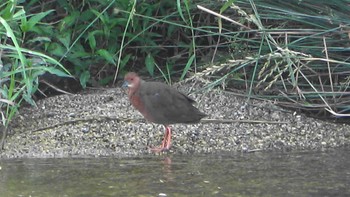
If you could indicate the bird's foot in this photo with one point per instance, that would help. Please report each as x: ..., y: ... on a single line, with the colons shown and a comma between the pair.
x: 159, y: 149
x: 166, y: 143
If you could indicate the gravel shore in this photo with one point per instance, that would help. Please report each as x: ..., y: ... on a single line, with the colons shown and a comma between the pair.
x: 102, y: 122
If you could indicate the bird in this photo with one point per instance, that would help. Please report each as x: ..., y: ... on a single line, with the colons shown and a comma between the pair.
x: 161, y: 104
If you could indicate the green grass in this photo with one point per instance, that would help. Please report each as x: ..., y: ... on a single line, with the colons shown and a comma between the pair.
x: 296, y: 53
x: 20, y: 67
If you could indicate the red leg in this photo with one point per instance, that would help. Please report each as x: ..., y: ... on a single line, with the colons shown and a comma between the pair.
x: 166, y: 143
x: 167, y: 138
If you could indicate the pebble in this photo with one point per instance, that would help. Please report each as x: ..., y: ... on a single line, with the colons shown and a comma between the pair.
x: 102, y: 122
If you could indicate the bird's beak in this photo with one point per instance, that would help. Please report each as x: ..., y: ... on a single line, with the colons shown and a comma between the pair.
x: 125, y: 85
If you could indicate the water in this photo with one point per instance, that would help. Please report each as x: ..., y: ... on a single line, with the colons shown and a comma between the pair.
x: 310, y: 173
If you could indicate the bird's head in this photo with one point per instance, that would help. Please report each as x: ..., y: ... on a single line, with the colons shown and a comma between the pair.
x: 131, y: 81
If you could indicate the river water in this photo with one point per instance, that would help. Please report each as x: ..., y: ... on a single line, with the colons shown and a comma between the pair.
x: 311, y: 173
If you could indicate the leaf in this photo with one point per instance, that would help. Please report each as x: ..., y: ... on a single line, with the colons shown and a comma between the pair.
x: 179, y: 9
x: 149, y: 61
x: 106, y: 55
x: 68, y: 21
x: 10, y: 34
x: 106, y: 80
x: 92, y: 41
x: 56, y: 49
x: 54, y: 71
x: 6, y: 12
x: 29, y: 25
x: 40, y: 39
x: 28, y: 99
x: 124, y: 61
x: 187, y: 67
x: 84, y: 78
x: 101, y: 17
x: 222, y: 9
x: 18, y: 15
x: 65, y: 39
x: 226, y: 5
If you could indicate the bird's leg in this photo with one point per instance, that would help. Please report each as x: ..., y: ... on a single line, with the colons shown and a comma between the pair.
x: 167, y: 138
x: 166, y: 141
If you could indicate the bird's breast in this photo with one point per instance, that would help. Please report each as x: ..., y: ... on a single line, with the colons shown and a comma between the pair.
x: 139, y: 105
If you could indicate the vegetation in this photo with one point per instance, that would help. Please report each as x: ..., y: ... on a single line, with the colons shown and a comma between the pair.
x: 20, y: 66
x: 294, y: 52
x: 298, y: 55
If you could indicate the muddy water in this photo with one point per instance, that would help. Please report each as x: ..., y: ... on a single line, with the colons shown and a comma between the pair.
x: 311, y: 173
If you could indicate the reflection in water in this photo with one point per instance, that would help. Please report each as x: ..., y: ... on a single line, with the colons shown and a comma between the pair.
x: 254, y: 174
x: 167, y: 169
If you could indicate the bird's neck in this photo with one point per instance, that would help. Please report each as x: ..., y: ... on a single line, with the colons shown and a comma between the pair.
x: 134, y: 89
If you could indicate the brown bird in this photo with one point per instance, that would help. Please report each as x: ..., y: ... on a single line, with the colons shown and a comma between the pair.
x: 161, y: 104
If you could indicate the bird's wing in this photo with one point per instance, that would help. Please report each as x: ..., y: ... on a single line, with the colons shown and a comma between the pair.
x: 165, y: 104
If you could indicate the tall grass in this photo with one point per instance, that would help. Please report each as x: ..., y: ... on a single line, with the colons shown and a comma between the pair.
x: 294, y: 52
x: 19, y: 66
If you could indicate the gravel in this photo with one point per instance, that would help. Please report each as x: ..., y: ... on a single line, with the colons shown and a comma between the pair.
x: 102, y: 122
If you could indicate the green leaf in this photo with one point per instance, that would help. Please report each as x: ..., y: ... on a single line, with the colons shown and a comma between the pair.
x: 18, y: 15
x: 187, y: 67
x: 92, y: 41
x: 105, y: 80
x: 54, y: 71
x: 179, y: 10
x: 84, y: 78
x: 65, y: 39
x: 10, y: 34
x: 69, y: 21
x: 28, y: 99
x: 226, y: 5
x: 101, y: 17
x: 40, y: 39
x: 222, y: 9
x: 149, y: 61
x: 6, y: 13
x: 124, y: 61
x: 106, y: 55
x: 56, y: 49
x: 24, y: 24
x: 29, y: 25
